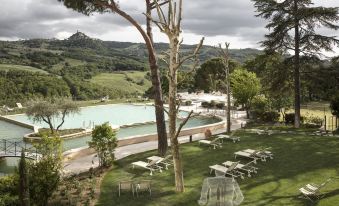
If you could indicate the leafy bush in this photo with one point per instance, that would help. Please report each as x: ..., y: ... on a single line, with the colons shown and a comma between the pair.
x: 289, y: 118
x: 260, y: 104
x: 213, y: 103
x: 334, y: 105
x: 188, y: 103
x: 208, y: 133
x: 270, y: 116
x: 104, y: 141
x: 9, y: 190
x: 313, y: 120
x: 220, y: 105
x: 205, y: 104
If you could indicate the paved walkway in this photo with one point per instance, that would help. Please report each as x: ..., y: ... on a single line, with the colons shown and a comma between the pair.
x: 84, y: 163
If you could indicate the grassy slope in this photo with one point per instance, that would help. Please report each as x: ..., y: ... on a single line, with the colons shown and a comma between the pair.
x: 20, y: 67
x: 118, y: 81
x: 299, y: 160
x: 72, y: 62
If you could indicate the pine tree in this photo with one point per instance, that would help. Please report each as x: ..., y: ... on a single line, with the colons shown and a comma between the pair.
x: 292, y: 25
x: 88, y: 7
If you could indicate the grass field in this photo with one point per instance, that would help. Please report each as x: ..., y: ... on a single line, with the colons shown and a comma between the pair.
x: 8, y: 67
x: 126, y: 82
x: 319, y: 109
x: 71, y: 62
x: 299, y: 160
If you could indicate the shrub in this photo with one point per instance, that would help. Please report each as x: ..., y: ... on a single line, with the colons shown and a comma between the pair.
x: 220, y: 105
x: 270, y: 116
x: 9, y: 190
x: 208, y: 133
x: 205, y: 104
x: 260, y: 104
x: 213, y: 103
x: 188, y: 103
x: 314, y: 120
x: 334, y: 105
x: 104, y: 141
x: 289, y: 118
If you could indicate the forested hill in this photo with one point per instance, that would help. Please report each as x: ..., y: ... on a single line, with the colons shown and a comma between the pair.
x: 107, y: 55
x: 82, y: 67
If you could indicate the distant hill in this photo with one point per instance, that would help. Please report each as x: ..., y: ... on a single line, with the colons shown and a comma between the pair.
x: 107, y: 55
x: 83, y: 67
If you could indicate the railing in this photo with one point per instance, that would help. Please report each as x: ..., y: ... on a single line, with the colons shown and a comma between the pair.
x: 11, y: 148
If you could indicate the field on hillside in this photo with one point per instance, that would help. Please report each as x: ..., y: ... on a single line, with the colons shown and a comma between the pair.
x: 8, y: 67
x: 71, y: 62
x: 126, y: 82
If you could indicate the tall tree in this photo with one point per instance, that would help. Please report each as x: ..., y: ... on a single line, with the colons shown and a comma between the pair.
x: 293, y: 26
x: 225, y: 55
x: 157, y: 90
x: 170, y: 25
x: 245, y: 86
x: 87, y: 7
x: 23, y: 181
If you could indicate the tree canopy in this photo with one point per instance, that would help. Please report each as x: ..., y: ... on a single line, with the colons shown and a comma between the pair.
x: 292, y: 25
x: 104, y: 141
x: 49, y: 110
x: 245, y: 85
x: 211, y: 74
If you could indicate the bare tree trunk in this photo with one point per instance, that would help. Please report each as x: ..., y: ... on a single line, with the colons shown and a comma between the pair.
x: 171, y: 26
x: 228, y: 129
x: 178, y: 170
x: 225, y: 56
x: 157, y: 91
x: 159, y: 109
x: 296, y: 68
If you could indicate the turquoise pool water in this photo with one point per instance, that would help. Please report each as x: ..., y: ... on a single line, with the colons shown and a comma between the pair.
x: 11, y: 131
x: 137, y: 130
x: 116, y: 114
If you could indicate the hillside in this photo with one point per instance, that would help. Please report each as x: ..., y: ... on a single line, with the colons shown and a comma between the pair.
x: 89, y: 68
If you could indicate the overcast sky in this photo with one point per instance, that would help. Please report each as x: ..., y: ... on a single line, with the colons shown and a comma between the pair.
x: 217, y: 20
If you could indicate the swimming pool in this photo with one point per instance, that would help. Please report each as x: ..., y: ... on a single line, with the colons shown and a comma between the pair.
x: 116, y: 114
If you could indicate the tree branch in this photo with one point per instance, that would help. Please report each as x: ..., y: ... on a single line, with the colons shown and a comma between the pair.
x: 182, y: 124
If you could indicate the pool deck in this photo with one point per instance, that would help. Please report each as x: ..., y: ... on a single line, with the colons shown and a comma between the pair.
x: 84, y: 163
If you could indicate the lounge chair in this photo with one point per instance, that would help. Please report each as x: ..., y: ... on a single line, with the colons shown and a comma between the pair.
x: 222, y: 170
x: 247, y: 155
x: 215, y: 143
x: 266, y: 131
x: 228, y: 137
x: 166, y: 161
x: 243, y: 167
x: 19, y: 105
x: 126, y: 186
x: 312, y: 191
x: 151, y: 166
x: 263, y: 154
x: 143, y: 185
x: 7, y: 109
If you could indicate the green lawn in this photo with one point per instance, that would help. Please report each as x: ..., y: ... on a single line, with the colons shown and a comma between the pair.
x: 21, y: 67
x: 118, y: 81
x: 299, y: 160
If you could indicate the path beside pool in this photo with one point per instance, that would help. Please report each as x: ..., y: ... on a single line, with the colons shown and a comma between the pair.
x: 83, y: 164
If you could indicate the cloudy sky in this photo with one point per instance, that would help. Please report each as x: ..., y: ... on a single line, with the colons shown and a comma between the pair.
x: 217, y: 20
